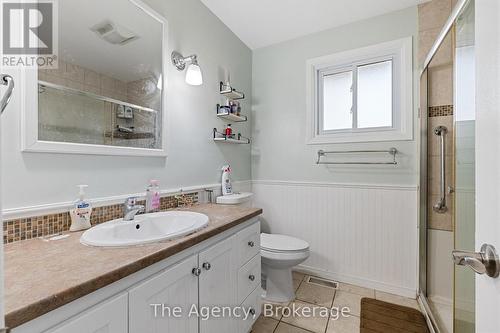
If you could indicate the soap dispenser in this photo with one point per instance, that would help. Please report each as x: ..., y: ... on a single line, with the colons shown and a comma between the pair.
x: 80, y: 214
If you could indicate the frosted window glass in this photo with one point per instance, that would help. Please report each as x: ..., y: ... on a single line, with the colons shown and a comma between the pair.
x: 337, y: 101
x: 375, y: 95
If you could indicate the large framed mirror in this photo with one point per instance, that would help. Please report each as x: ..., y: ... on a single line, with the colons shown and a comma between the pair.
x: 107, y: 95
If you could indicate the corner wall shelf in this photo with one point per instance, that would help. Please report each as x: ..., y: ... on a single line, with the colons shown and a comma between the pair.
x: 235, y: 139
x: 230, y: 93
x: 232, y: 117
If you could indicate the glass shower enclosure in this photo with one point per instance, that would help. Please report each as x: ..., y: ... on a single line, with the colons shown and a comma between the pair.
x: 447, y: 173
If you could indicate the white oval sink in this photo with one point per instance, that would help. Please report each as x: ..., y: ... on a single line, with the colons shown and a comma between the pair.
x: 147, y: 228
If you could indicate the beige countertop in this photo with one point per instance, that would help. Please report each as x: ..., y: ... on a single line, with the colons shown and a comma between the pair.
x: 41, y: 276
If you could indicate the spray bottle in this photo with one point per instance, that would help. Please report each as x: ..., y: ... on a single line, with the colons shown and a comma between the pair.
x: 227, y: 188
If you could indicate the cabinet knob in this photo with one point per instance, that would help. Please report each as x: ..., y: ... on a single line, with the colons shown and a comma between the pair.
x: 251, y: 277
x: 251, y: 244
x: 196, y: 271
x: 252, y: 311
x: 207, y: 266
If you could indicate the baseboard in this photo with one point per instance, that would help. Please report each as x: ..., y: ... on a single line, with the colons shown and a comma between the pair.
x: 380, y: 286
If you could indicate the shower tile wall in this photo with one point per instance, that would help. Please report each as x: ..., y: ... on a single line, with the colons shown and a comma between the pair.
x: 60, y: 126
x: 432, y: 16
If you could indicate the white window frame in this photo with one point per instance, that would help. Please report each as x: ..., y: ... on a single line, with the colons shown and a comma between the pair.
x: 401, y: 53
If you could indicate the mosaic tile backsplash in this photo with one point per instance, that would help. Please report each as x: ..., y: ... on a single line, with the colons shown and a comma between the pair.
x: 40, y: 226
x: 441, y: 111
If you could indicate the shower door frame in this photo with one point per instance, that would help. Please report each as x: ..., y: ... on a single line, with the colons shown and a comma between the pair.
x: 423, y: 118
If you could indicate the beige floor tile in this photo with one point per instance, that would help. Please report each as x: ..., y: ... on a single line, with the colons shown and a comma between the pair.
x: 350, y: 288
x: 276, y: 309
x: 396, y: 299
x: 316, y: 294
x: 344, y: 299
x: 264, y: 325
x: 285, y: 328
x: 344, y: 325
x: 296, y: 284
x: 298, y: 276
x: 307, y: 321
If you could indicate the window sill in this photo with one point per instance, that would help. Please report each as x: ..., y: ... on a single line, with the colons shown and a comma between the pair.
x: 357, y: 137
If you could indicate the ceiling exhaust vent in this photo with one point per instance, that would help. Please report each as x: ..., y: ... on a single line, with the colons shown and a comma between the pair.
x: 113, y: 34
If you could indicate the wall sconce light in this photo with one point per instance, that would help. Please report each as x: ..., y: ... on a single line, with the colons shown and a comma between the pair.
x: 193, y: 74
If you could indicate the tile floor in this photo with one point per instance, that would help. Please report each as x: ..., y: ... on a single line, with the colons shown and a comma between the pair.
x: 312, y: 295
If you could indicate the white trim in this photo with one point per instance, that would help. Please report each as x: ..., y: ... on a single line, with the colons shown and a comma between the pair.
x: 402, y: 52
x: 380, y: 286
x: 29, y: 112
x: 337, y: 185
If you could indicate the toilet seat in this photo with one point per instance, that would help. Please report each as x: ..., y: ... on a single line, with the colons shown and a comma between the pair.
x: 275, y: 243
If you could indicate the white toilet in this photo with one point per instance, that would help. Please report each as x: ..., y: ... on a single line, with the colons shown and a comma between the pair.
x: 280, y: 254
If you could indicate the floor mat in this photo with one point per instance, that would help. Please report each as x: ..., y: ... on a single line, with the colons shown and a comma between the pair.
x: 383, y: 317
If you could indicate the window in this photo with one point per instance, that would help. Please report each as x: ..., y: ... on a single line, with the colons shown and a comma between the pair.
x: 361, y: 95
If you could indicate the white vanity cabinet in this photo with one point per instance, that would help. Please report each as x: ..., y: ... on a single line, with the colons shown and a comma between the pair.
x: 175, y: 287
x: 222, y: 272
x: 218, y: 277
x: 108, y: 317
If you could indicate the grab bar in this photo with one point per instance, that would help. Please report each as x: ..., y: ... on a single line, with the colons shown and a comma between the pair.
x: 391, y: 151
x: 440, y: 206
x: 8, y: 81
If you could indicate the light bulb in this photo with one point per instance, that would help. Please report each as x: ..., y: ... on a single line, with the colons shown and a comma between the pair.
x: 193, y: 75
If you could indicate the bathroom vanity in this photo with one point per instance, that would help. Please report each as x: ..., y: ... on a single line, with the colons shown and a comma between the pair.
x: 161, y: 287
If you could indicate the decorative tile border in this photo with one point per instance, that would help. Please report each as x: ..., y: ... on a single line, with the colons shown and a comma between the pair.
x: 441, y: 111
x: 41, y: 226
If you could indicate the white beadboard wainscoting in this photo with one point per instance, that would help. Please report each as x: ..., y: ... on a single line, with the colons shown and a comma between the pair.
x: 360, y: 234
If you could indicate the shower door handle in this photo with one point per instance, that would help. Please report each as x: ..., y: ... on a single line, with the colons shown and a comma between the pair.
x: 440, y: 206
x: 8, y: 81
x: 486, y: 261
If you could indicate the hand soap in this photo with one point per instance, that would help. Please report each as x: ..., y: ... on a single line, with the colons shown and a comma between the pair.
x: 152, y: 196
x: 80, y: 214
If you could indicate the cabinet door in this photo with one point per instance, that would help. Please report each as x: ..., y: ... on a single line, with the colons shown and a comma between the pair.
x: 108, y: 317
x: 218, y: 285
x: 152, y: 304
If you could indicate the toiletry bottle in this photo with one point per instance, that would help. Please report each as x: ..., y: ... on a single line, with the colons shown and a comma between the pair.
x: 80, y: 214
x: 227, y: 188
x: 153, y: 196
x: 229, y: 131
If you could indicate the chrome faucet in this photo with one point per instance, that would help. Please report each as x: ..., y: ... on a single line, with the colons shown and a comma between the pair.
x: 131, y: 209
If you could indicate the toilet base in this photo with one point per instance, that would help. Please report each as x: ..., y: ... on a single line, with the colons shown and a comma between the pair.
x: 279, y: 284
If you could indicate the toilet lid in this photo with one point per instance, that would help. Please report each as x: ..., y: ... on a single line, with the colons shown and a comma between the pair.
x: 282, y: 243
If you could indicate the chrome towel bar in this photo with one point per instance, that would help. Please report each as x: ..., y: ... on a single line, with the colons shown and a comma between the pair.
x: 392, y: 151
x: 8, y: 81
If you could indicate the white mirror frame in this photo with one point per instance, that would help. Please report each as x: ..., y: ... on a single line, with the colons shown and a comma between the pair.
x: 29, y: 112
